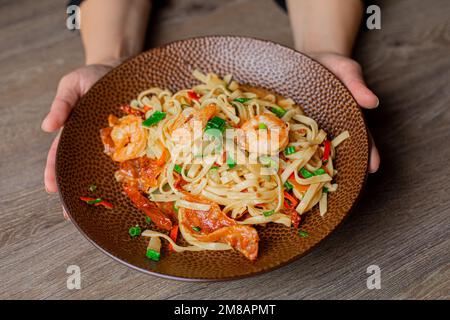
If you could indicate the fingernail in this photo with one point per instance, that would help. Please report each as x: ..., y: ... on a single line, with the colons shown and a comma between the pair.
x: 46, y: 190
x: 43, y: 123
x: 373, y: 170
x: 378, y: 103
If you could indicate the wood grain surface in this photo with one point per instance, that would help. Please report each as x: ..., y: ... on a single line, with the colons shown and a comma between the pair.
x: 402, y: 223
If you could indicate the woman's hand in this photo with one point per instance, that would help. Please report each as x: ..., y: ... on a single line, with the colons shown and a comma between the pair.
x: 71, y: 88
x: 350, y: 73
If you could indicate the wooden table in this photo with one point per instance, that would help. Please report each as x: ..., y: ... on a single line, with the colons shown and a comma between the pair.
x: 401, y: 223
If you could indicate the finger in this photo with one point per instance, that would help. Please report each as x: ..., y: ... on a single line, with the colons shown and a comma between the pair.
x: 363, y: 95
x: 351, y: 75
x: 66, y: 97
x: 374, y: 158
x: 49, y: 173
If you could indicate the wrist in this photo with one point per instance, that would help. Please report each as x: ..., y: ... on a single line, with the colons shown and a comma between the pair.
x: 319, y: 54
x: 106, y: 61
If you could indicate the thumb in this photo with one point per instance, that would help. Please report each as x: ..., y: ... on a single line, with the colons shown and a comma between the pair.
x: 351, y: 76
x: 67, y: 95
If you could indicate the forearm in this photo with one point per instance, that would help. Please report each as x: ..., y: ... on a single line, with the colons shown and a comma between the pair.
x: 113, y: 30
x: 325, y: 25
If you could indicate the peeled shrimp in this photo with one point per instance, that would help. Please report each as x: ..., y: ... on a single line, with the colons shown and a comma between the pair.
x: 201, y: 116
x: 129, y: 138
x: 264, y: 134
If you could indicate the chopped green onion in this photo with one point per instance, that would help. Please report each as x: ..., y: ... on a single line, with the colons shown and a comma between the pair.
x: 214, y: 168
x: 303, y: 234
x: 214, y: 133
x: 153, y: 255
x: 325, y: 190
x: 268, y: 213
x: 177, y: 168
x: 305, y: 173
x: 289, y: 150
x: 134, y: 231
x: 262, y: 126
x: 197, y: 229
x: 319, y: 171
x: 242, y: 100
x: 279, y: 111
x: 148, y: 220
x: 175, y: 208
x: 231, y: 163
x: 216, y: 123
x: 94, y: 201
x: 92, y: 187
x: 156, y: 117
x: 288, y: 186
x: 269, y: 162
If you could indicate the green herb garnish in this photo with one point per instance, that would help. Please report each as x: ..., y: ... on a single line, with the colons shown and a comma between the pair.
x: 319, y: 171
x: 177, y: 168
x: 262, y: 126
x: 288, y: 186
x: 303, y: 234
x: 156, y: 117
x: 231, y: 163
x: 289, y: 150
x: 98, y: 200
x: 268, y: 213
x: 153, y: 255
x: 242, y: 100
x: 279, y: 111
x: 216, y: 123
x: 134, y: 231
x: 305, y: 173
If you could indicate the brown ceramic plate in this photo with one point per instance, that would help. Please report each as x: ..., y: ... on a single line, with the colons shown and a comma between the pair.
x: 80, y: 159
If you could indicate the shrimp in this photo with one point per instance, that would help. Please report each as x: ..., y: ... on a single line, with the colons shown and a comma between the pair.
x: 208, y: 221
x: 127, y: 138
x: 148, y: 207
x: 243, y: 238
x: 142, y: 172
x: 270, y: 132
x: 216, y: 226
x: 201, y: 115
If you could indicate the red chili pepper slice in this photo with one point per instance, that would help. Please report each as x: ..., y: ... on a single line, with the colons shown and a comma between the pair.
x: 173, y: 235
x: 101, y: 202
x: 291, y: 202
x: 86, y: 199
x: 295, y: 218
x: 326, y: 150
x: 193, y: 95
x: 129, y: 110
x: 106, y: 204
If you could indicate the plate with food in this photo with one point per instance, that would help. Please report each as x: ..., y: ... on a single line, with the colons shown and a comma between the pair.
x: 212, y: 158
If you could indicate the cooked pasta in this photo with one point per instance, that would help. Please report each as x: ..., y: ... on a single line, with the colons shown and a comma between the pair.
x: 217, y: 159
